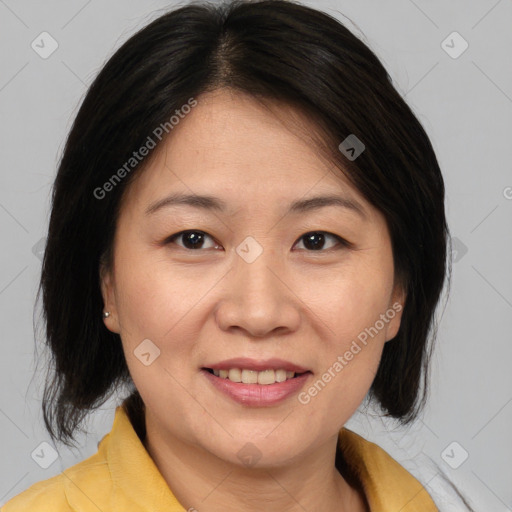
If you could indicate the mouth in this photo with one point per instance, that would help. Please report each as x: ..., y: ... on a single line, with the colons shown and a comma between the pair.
x: 265, y: 377
x: 256, y: 388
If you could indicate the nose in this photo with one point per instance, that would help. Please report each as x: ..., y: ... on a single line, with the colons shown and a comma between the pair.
x: 257, y: 299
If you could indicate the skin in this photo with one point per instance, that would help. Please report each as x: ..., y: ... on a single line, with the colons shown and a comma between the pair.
x: 208, y: 304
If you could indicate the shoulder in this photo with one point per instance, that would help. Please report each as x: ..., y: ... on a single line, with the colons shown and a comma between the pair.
x: 45, y: 496
x: 87, y: 482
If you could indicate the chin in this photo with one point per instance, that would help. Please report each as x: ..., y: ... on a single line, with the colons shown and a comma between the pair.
x: 263, y: 447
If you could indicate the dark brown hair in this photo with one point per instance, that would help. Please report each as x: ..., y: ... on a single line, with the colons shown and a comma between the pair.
x: 272, y: 50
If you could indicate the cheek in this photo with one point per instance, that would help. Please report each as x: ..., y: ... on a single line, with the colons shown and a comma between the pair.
x: 350, y: 307
x: 151, y: 298
x: 162, y: 305
x: 156, y: 305
x: 351, y: 302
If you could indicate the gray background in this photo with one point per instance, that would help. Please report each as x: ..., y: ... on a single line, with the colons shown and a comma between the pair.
x: 465, y: 104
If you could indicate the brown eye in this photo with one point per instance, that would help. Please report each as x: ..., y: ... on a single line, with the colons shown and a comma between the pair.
x: 316, y: 240
x: 191, y: 239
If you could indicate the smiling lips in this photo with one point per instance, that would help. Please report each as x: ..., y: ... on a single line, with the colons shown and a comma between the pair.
x: 253, y: 377
x: 257, y: 382
x: 252, y: 371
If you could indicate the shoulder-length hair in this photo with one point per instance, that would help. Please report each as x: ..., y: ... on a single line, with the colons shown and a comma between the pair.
x: 272, y: 50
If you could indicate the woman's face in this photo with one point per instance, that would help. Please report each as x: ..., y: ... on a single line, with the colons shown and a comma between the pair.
x: 254, y: 279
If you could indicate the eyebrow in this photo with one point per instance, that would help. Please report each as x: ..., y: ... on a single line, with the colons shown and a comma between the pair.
x: 211, y: 203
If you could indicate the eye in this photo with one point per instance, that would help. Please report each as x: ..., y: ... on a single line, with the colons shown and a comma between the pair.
x: 192, y: 239
x: 315, y: 240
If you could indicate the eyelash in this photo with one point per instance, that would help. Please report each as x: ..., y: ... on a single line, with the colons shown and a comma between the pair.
x: 342, y: 242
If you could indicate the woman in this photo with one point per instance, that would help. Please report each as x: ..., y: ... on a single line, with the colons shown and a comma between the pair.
x: 248, y: 229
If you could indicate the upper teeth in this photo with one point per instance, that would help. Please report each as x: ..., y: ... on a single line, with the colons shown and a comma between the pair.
x: 254, y: 377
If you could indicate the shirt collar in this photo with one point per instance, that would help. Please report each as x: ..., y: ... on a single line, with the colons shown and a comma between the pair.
x: 387, y: 485
x: 133, y: 470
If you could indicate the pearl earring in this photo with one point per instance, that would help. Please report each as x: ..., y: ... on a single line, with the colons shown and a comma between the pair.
x: 106, y: 314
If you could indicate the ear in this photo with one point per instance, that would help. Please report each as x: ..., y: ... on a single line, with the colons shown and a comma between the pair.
x: 395, y: 310
x: 107, y: 285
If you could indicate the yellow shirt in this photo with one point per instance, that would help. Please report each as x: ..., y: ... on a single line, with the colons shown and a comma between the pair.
x: 122, y: 477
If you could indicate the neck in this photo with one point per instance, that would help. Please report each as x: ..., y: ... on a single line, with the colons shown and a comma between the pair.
x: 201, y: 481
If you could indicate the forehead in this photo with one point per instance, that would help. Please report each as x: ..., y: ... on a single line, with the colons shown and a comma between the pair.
x: 231, y: 145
